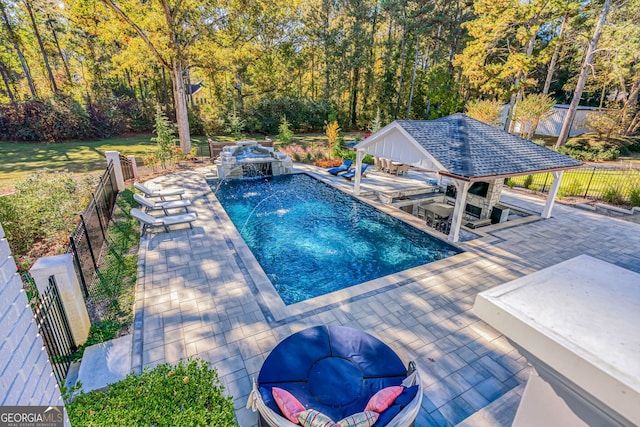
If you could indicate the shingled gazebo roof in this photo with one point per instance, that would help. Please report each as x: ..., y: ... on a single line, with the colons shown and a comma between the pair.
x: 462, y: 147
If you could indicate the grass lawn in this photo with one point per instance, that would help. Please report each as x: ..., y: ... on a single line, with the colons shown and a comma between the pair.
x: 79, y: 157
x: 20, y: 160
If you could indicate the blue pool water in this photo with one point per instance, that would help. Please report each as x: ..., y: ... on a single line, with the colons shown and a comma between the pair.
x: 312, y: 239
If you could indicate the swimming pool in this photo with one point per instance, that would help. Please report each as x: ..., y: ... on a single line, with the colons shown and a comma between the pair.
x: 312, y: 239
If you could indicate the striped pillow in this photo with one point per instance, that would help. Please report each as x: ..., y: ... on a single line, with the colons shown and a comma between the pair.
x: 313, y: 418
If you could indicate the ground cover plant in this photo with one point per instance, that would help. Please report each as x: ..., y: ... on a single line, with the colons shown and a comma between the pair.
x: 186, y: 394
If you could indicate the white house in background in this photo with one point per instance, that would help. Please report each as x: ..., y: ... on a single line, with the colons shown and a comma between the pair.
x: 552, y: 125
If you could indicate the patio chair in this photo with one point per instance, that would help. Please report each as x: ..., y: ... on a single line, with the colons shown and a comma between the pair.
x: 158, y: 193
x: 335, y: 370
x: 392, y: 167
x: 165, y: 206
x: 384, y: 164
x: 345, y: 166
x: 349, y: 175
x: 147, y: 221
x: 403, y: 169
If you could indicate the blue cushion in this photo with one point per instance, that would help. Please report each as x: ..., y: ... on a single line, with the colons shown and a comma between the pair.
x: 387, y: 415
x: 373, y: 356
x: 406, y: 396
x: 335, y: 381
x: 295, y: 355
x: 334, y: 369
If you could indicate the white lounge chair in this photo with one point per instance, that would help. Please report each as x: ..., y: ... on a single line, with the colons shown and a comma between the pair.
x: 148, y: 221
x: 158, y: 193
x: 150, y: 205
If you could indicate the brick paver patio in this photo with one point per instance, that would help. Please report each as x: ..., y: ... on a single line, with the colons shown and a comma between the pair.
x: 197, y: 297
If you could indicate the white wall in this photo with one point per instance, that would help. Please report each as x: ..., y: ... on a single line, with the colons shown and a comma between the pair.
x: 26, y: 377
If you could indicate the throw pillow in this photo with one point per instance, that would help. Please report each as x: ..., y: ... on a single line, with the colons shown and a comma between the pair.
x: 384, y: 398
x: 387, y: 416
x: 288, y: 404
x: 313, y: 418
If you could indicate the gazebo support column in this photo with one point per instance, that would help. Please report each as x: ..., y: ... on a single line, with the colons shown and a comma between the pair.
x: 553, y: 192
x: 356, y: 185
x: 462, y: 188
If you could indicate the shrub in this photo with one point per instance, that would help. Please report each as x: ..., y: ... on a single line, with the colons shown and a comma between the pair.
x: 186, y: 394
x: 328, y: 163
x: 634, y: 197
x: 196, y: 124
x: 613, y: 195
x: 589, y: 155
x: 333, y: 134
x: 531, y: 110
x: 165, y: 138
x: 303, y: 114
x: 301, y: 154
x: 235, y: 125
x: 285, y: 134
x: 528, y: 181
x: 43, y: 210
x: 605, y: 122
x: 573, y: 187
x: 509, y: 182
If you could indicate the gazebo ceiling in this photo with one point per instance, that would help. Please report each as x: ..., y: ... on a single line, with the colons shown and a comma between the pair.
x: 463, y: 148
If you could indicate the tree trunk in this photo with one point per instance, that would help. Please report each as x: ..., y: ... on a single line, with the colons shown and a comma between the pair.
x: 5, y: 79
x: 180, y: 98
x: 45, y: 57
x: 631, y: 106
x: 413, y: 79
x: 554, y: 59
x: 240, y: 95
x: 16, y: 45
x: 371, y: 59
x: 57, y: 43
x: 582, y: 78
x: 354, y: 95
x: 400, y: 78
x: 166, y: 92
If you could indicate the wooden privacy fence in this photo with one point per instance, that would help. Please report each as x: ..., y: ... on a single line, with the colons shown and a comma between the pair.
x: 589, y: 182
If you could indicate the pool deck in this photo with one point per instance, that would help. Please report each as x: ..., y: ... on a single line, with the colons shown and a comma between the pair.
x: 199, y: 294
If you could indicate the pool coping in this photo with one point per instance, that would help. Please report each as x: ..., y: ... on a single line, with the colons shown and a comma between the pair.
x: 275, y: 310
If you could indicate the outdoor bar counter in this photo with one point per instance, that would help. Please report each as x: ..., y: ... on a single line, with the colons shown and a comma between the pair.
x: 578, y: 324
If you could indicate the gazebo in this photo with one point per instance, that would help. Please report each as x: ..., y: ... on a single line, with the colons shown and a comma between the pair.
x: 465, y: 150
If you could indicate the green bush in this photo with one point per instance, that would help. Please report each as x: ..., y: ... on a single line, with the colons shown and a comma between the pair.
x: 573, y: 187
x: 186, y: 394
x: 509, y: 182
x: 43, y: 210
x: 634, y: 197
x: 285, y: 134
x: 589, y: 155
x: 62, y: 118
x: 613, y: 195
x: 305, y: 115
x: 528, y: 181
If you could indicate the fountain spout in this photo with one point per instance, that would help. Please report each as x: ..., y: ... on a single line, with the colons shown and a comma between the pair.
x: 248, y: 159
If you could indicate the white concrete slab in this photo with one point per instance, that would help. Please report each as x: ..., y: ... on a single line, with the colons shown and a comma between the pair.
x: 579, y: 317
x: 105, y: 363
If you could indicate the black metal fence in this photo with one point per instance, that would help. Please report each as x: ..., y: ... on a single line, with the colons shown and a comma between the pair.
x: 590, y: 182
x: 127, y: 168
x: 53, y: 327
x: 88, y: 239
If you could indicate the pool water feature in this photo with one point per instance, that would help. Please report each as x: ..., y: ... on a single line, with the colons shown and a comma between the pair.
x: 312, y: 239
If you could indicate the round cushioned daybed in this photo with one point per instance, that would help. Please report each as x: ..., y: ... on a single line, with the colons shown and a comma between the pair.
x: 335, y: 370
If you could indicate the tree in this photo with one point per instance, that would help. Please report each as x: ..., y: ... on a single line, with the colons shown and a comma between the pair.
x: 531, y: 110
x: 183, y: 23
x: 582, y: 78
x: 485, y: 110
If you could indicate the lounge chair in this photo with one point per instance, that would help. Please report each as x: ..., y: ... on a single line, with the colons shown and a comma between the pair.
x: 147, y: 221
x: 345, y: 166
x: 335, y: 370
x: 158, y: 193
x: 403, y: 169
x: 165, y: 206
x: 352, y: 173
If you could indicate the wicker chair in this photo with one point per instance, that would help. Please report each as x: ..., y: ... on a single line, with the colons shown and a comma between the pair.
x: 360, y: 365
